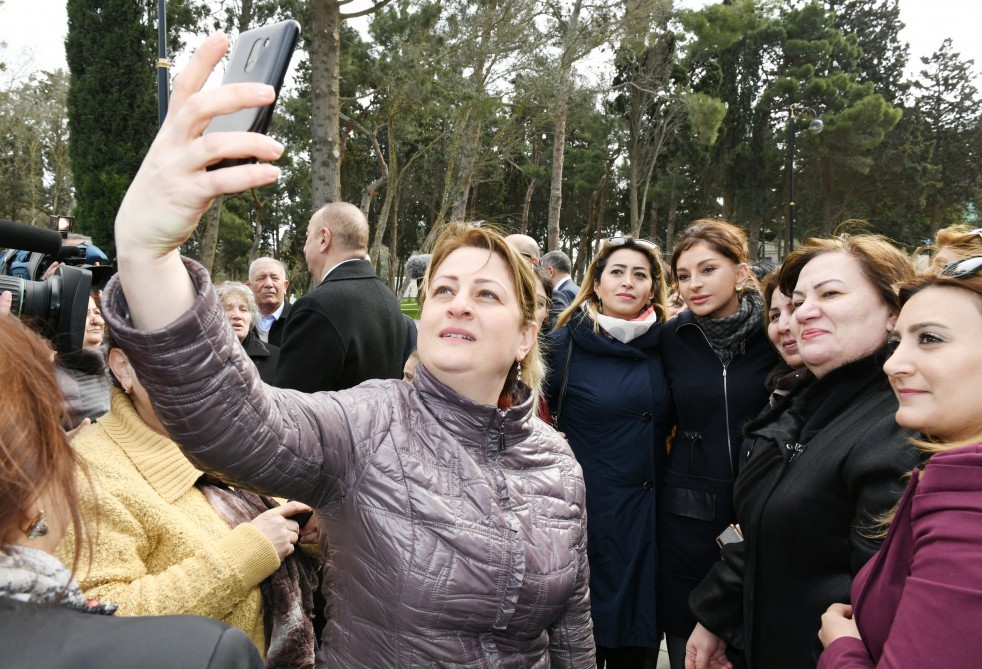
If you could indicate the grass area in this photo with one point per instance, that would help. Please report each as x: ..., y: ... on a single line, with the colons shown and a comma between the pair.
x: 410, y: 308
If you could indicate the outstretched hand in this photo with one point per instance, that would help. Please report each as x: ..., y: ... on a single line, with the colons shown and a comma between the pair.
x: 173, y: 189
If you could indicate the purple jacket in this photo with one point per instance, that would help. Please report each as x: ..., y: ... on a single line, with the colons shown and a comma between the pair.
x: 457, y: 531
x: 918, y: 602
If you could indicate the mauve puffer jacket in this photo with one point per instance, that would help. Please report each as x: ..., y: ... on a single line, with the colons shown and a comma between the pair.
x: 457, y: 531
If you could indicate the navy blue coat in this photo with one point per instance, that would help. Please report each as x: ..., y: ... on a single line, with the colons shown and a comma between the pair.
x: 712, y: 404
x: 616, y: 415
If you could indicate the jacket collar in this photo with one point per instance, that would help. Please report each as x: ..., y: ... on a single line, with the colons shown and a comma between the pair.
x: 357, y: 268
x: 472, y: 421
x: 158, y: 458
x: 825, y: 399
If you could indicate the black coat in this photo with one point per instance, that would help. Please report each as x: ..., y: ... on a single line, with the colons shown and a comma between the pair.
x: 616, y: 415
x: 823, y: 466
x: 712, y: 405
x: 279, y: 325
x: 56, y: 637
x: 266, y: 356
x: 347, y: 330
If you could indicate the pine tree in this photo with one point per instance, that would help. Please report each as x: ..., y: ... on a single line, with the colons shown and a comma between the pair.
x: 112, y: 107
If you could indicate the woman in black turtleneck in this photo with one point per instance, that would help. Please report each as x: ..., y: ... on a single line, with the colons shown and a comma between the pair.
x: 819, y: 468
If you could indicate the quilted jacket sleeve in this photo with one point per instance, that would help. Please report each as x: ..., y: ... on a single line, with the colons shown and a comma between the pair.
x: 571, y: 637
x: 208, y: 395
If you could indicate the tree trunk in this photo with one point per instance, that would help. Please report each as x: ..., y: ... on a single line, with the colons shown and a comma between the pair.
x: 583, y: 252
x: 209, y: 236
x: 653, y: 225
x: 556, y: 188
x: 559, y: 137
x: 390, y: 194
x: 370, y: 192
x: 325, y: 58
x: 632, y: 185
x: 828, y: 213
x: 527, y: 205
x: 394, y: 241
x: 258, y: 235
x: 670, y: 223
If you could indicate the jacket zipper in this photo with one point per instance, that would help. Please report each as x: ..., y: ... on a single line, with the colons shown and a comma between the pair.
x: 794, y: 450
x: 726, y: 408
x: 726, y: 400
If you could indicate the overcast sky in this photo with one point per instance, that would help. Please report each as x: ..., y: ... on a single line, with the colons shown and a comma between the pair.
x: 34, y: 30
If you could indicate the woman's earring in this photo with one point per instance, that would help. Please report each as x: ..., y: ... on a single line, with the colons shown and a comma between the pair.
x: 38, y: 527
x: 519, y: 365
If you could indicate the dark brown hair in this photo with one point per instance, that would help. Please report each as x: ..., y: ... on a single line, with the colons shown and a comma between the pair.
x: 724, y: 238
x: 885, y: 266
x: 35, y: 456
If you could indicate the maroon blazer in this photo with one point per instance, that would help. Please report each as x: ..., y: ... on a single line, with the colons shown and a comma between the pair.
x: 918, y: 602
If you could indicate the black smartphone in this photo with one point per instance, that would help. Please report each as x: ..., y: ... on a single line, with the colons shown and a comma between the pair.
x: 261, y: 55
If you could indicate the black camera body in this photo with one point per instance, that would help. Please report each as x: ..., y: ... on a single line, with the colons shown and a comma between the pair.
x: 55, y: 306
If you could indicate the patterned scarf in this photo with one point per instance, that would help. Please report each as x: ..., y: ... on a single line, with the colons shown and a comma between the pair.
x: 728, y: 336
x: 32, y: 575
x: 624, y: 331
x: 288, y: 594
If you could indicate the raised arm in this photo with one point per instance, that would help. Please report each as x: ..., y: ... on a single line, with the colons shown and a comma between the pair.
x: 173, y: 189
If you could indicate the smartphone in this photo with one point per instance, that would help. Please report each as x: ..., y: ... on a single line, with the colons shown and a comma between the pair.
x: 731, y: 535
x: 261, y: 55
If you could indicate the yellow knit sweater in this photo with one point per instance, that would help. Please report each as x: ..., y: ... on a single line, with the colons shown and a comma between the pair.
x: 159, y: 547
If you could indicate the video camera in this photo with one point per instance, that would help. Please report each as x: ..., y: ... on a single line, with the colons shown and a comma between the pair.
x: 56, y: 306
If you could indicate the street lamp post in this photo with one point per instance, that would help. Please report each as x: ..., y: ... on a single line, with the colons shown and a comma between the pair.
x: 814, y: 128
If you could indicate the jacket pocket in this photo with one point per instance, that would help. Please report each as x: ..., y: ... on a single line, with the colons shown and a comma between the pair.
x: 688, y: 503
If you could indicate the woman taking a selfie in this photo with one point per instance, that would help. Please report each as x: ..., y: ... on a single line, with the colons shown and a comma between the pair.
x: 820, y: 468
x: 608, y: 385
x: 918, y: 602
x: 455, y: 517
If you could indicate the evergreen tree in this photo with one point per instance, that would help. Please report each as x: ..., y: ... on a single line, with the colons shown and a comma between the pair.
x: 111, y: 48
x: 948, y: 101
x: 112, y: 107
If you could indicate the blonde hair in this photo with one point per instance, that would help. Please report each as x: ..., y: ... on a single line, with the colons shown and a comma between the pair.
x: 456, y: 235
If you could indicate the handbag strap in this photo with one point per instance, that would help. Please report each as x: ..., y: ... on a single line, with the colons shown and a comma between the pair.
x: 562, y: 386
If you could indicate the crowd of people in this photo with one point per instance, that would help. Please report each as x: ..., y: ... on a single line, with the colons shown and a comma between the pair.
x: 777, y: 472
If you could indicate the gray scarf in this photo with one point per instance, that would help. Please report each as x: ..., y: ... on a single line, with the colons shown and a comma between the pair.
x: 728, y: 336
x: 32, y: 575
